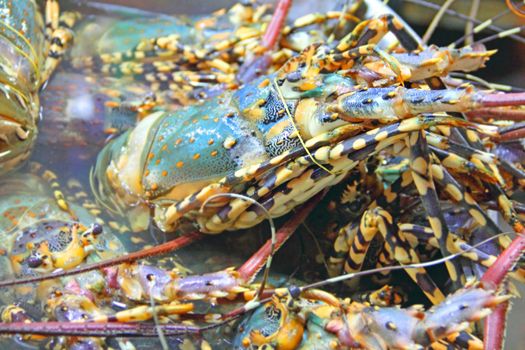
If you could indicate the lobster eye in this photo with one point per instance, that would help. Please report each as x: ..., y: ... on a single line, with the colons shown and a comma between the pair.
x: 96, y: 229
x: 295, y: 291
x: 34, y: 261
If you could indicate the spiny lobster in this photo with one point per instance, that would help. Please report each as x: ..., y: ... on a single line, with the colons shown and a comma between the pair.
x: 32, y: 48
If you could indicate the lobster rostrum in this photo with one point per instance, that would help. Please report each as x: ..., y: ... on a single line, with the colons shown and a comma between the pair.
x: 32, y: 49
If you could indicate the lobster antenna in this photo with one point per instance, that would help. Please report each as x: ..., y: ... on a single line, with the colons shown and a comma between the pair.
x: 461, y: 16
x: 474, y: 9
x: 480, y: 27
x: 477, y: 80
x: 435, y: 21
x: 272, y: 231
x: 160, y: 332
x: 399, y: 267
x: 506, y: 33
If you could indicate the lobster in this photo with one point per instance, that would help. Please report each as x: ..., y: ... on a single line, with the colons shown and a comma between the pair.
x: 32, y: 50
x: 316, y: 319
x: 44, y: 232
x: 255, y: 149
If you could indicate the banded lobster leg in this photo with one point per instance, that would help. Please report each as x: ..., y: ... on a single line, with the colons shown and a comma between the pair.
x: 378, y: 221
x: 60, y: 37
x: 386, y: 258
x: 478, y: 158
x: 343, y: 259
x: 418, y: 235
x: 458, y: 193
x: 51, y: 178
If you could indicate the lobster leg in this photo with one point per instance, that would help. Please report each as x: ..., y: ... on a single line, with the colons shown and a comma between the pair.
x: 423, y: 235
x: 379, y: 221
x: 388, y: 198
x: 461, y: 165
x: 49, y: 176
x: 479, y: 158
x: 113, y: 63
x: 384, y: 296
x: 497, y: 114
x: 458, y: 194
x: 486, y: 163
x: 167, y: 75
x: 422, y: 176
x: 52, y: 11
x: 61, y: 38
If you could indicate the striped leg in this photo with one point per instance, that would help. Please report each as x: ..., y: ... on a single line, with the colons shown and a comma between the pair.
x: 418, y: 235
x: 60, y: 40
x: 422, y: 175
x: 397, y: 248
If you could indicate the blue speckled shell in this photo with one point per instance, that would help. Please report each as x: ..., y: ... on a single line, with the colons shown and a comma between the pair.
x: 188, y: 146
